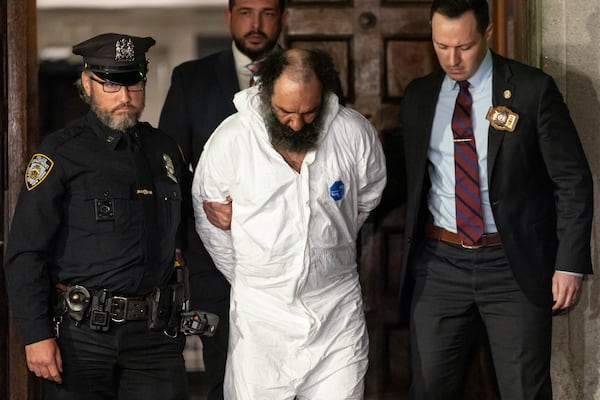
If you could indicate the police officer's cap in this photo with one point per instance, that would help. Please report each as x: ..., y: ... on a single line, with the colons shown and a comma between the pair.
x: 116, y: 57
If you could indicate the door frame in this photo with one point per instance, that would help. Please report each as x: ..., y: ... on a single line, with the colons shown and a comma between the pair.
x: 20, y: 135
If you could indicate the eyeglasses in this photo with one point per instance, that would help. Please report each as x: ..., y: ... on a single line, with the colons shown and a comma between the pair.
x: 112, y: 87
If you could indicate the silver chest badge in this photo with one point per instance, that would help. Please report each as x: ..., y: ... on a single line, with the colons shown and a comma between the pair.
x: 169, y: 167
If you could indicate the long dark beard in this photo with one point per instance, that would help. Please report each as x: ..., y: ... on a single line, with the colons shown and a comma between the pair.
x: 285, y: 138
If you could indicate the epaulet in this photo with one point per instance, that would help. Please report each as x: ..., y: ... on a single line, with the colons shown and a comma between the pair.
x: 158, y: 136
x: 147, y: 125
x: 41, y: 163
x: 63, y: 135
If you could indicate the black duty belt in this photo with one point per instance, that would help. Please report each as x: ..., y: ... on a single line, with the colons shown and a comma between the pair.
x: 129, y: 308
x: 165, y: 309
x: 99, y: 306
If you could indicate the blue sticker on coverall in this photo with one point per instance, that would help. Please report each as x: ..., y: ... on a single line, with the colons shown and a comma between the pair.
x: 336, y: 191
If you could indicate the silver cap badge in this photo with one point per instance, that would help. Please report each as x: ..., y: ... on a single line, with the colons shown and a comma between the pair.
x: 124, y: 50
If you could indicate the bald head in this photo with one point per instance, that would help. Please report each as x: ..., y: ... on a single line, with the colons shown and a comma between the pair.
x: 298, y: 65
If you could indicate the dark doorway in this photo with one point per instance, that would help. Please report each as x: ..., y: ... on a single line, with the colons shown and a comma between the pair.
x: 59, y: 101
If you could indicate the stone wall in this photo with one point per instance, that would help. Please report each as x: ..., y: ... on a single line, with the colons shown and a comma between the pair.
x: 570, y: 51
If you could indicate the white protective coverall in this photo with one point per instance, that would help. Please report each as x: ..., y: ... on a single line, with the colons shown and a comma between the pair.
x: 297, y: 325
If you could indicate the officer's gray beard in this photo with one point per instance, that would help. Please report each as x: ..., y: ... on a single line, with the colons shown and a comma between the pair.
x: 285, y: 138
x: 121, y: 121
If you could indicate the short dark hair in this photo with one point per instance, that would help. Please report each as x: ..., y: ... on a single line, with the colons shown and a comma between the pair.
x: 281, y: 5
x: 306, y: 60
x: 456, y: 8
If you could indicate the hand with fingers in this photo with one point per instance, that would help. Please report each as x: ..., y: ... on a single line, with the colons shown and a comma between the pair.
x: 566, y: 290
x: 44, y: 359
x: 219, y: 214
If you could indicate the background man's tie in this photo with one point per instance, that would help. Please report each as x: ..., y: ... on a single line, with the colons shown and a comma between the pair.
x: 253, y: 68
x: 469, y: 218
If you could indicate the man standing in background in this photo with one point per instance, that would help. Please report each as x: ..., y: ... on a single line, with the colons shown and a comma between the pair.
x: 200, y: 97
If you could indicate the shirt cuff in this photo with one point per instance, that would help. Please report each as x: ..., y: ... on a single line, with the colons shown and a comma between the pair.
x: 571, y: 273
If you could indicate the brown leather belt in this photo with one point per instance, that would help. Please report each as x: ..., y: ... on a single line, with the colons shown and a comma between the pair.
x: 437, y: 233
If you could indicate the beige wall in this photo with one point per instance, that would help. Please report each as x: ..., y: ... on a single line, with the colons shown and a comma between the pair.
x: 175, y: 31
x: 570, y: 51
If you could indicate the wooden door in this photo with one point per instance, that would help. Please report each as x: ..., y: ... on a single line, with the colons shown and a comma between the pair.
x: 378, y: 47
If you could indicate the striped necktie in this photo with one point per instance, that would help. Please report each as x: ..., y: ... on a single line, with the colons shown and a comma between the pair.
x: 253, y: 68
x: 469, y: 217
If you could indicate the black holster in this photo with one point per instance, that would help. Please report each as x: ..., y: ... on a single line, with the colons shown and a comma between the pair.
x: 166, y: 304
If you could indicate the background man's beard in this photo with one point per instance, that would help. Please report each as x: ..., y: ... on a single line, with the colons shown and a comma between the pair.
x: 255, y: 54
x: 285, y: 138
x: 123, y: 123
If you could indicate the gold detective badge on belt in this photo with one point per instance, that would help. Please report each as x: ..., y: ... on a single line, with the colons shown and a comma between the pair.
x: 502, y: 118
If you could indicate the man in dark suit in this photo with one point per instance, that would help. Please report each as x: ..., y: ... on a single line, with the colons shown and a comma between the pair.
x: 200, y: 97
x: 520, y: 249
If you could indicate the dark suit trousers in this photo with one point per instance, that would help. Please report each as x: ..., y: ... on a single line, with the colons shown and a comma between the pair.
x: 453, y: 285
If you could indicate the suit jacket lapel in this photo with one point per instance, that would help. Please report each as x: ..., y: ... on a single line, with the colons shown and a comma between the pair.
x: 502, y: 95
x: 426, y: 112
x: 227, y: 74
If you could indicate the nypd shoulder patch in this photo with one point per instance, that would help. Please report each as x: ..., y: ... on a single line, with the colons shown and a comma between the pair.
x: 38, y: 169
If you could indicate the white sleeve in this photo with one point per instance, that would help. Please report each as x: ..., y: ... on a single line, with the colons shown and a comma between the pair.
x: 211, y: 184
x: 372, y: 173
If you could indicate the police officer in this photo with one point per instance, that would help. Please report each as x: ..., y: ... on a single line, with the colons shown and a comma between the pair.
x: 93, y: 235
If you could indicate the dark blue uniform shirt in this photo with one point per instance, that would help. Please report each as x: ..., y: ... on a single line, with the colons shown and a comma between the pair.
x: 100, y: 208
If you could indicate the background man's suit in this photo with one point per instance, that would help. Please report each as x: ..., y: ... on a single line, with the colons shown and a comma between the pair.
x: 199, y: 99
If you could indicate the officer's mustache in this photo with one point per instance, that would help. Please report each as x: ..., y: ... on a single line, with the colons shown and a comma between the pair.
x: 127, y: 106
